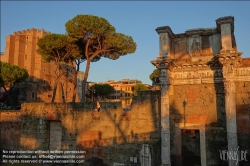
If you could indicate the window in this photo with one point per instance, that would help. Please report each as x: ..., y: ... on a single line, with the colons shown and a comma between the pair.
x: 127, y: 102
x: 33, y: 95
x: 25, y: 56
x: 27, y: 38
x: 127, y: 89
x: 44, y: 70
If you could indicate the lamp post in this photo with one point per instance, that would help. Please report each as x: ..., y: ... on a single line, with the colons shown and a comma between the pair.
x: 93, y: 91
x: 184, y: 105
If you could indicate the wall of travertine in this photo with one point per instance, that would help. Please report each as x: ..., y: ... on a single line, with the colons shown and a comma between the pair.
x: 111, y: 134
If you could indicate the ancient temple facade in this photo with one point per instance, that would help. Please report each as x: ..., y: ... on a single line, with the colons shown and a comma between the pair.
x: 205, y: 95
x: 200, y: 117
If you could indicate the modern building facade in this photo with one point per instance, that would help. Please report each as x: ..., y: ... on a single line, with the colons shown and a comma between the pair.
x: 123, y: 91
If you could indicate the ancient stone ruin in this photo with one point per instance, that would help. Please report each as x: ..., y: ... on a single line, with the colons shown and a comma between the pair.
x: 204, y: 95
x: 201, y: 113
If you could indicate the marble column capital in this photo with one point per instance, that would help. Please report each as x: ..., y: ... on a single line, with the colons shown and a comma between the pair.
x: 229, y: 57
x: 163, y: 63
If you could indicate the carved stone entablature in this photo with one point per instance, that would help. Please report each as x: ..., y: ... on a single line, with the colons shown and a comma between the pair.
x: 225, y: 20
x: 165, y: 29
x: 201, y: 31
x: 207, y: 76
x: 193, y: 66
x: 242, y: 71
x: 197, y: 74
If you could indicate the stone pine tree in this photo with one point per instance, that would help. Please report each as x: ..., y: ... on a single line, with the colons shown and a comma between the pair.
x: 10, y: 75
x: 98, y: 38
x: 139, y: 87
x: 102, y: 90
x: 154, y: 76
x: 61, y: 50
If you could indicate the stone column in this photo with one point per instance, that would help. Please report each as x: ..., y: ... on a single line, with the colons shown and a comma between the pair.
x: 229, y: 59
x: 163, y: 62
x: 165, y: 121
x: 230, y: 107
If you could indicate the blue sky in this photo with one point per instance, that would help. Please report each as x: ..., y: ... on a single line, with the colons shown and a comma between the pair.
x: 138, y: 19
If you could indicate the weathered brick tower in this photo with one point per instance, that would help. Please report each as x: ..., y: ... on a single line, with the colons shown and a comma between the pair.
x: 21, y: 51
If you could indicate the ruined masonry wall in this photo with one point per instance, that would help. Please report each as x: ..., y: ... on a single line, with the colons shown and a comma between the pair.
x: 243, y: 114
x: 111, y: 134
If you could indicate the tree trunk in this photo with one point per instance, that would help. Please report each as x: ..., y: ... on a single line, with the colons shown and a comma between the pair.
x: 84, y: 82
x: 54, y: 91
x: 75, y: 82
x: 56, y: 83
